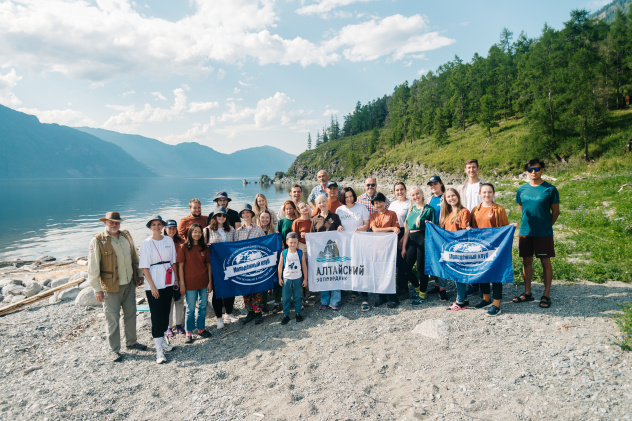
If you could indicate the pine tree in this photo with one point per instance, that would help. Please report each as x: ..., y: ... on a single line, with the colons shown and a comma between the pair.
x: 325, y: 137
x: 319, y: 140
x: 309, y: 140
x: 488, y: 118
x: 441, y: 126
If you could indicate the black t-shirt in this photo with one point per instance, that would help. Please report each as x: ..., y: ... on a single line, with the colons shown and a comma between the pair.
x: 233, y: 217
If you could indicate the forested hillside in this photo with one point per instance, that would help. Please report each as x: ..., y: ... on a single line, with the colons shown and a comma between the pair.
x: 555, y: 96
x: 608, y: 13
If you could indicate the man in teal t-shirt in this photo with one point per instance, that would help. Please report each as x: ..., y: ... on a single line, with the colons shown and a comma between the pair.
x: 539, y: 203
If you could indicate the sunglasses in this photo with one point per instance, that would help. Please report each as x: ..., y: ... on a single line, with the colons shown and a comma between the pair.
x: 371, y: 185
x: 536, y: 169
x: 220, y: 216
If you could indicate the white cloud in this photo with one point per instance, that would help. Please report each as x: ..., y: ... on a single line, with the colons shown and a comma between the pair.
x: 126, y: 93
x: 396, y: 36
x: 329, y: 112
x: 221, y: 74
x: 322, y: 7
x: 195, y: 107
x: 7, y: 83
x: 65, y: 117
x: 159, y: 96
x: 422, y: 72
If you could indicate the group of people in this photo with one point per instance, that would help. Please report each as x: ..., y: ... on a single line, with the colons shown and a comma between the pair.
x: 174, y: 262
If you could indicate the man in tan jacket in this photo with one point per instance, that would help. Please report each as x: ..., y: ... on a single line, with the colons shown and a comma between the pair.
x: 114, y: 274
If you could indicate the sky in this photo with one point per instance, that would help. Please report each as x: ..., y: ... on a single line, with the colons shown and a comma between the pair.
x: 234, y: 74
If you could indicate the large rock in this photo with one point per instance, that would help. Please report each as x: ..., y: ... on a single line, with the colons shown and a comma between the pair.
x: 45, y: 258
x: 32, y: 289
x: 57, y: 282
x: 79, y: 275
x: 5, y: 282
x: 67, y: 294
x: 433, y: 328
x: 84, y: 285
x: 86, y: 298
x: 12, y: 290
x: 18, y: 298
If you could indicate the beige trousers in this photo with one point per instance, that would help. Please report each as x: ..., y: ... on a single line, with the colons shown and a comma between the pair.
x: 125, y: 298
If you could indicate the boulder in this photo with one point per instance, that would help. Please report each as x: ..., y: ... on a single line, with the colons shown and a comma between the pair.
x: 5, y: 282
x: 18, y: 298
x: 82, y: 262
x: 32, y: 289
x: 86, y: 298
x: 12, y: 290
x: 67, y: 294
x: 45, y: 258
x: 57, y: 282
x: 84, y: 285
x: 79, y: 275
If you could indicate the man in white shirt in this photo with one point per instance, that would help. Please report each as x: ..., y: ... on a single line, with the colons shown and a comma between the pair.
x: 470, y: 188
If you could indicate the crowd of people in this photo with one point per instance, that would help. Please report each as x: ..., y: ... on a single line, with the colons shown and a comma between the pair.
x: 174, y: 261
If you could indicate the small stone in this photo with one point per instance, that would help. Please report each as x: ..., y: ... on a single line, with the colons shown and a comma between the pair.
x: 433, y: 328
x: 31, y: 290
x: 82, y: 262
x: 57, y: 282
x: 18, y: 298
x: 12, y: 290
x: 45, y: 258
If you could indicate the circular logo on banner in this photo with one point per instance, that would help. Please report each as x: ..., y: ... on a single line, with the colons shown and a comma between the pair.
x: 251, y: 265
x: 467, y: 257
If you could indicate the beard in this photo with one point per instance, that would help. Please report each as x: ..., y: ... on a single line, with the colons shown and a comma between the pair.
x: 197, y: 216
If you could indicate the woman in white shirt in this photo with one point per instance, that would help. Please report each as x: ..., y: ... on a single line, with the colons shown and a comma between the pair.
x: 353, y: 216
x: 400, y: 207
x: 157, y: 256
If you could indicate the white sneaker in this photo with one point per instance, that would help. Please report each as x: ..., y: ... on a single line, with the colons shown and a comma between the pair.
x: 231, y: 318
x: 220, y: 323
x: 160, y: 356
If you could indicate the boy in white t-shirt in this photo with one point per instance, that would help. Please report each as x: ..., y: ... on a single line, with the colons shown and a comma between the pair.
x: 292, y: 268
x: 472, y: 185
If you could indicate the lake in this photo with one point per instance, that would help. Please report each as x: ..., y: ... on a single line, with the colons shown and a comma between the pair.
x: 59, y: 217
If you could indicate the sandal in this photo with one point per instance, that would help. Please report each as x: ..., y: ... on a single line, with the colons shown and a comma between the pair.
x: 523, y: 298
x: 365, y: 306
x: 352, y: 298
x: 545, y: 302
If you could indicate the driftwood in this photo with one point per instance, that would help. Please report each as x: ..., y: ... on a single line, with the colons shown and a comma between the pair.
x: 38, y: 297
x: 30, y: 370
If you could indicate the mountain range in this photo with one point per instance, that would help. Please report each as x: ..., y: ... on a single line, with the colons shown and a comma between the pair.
x: 32, y: 149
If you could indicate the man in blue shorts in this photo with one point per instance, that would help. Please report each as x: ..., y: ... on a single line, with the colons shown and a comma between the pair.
x: 539, y: 203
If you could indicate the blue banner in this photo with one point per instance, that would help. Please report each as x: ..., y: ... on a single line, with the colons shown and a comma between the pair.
x: 245, y: 267
x: 474, y: 256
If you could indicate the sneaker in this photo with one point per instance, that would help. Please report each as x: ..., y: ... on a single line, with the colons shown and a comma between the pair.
x: 334, y: 308
x: 188, y: 339
x: 115, y: 357
x: 285, y: 320
x: 137, y: 346
x: 180, y: 330
x: 443, y: 295
x: 220, y: 323
x: 167, y: 347
x: 418, y: 301
x: 230, y: 318
x: 457, y: 307
x: 483, y: 304
x: 160, y: 356
x: 322, y: 307
x: 299, y: 318
x: 169, y: 333
x: 204, y: 333
x: 493, y: 311
x: 258, y: 318
x: 249, y: 318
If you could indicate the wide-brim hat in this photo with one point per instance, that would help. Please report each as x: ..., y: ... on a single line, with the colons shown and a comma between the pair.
x: 246, y: 207
x: 170, y: 223
x: 220, y: 210
x: 378, y: 198
x: 112, y: 216
x: 155, y: 218
x: 435, y: 179
x: 222, y: 195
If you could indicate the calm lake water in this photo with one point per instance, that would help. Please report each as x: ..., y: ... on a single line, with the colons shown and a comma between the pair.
x: 59, y: 217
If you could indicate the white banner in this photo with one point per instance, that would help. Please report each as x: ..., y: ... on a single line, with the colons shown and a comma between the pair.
x: 356, y: 261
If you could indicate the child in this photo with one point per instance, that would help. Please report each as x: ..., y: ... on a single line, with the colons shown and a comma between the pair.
x: 489, y: 215
x: 194, y: 260
x: 455, y: 217
x: 176, y: 315
x: 292, y: 268
x: 384, y: 220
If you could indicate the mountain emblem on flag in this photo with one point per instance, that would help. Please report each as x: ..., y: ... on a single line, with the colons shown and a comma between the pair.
x: 331, y: 253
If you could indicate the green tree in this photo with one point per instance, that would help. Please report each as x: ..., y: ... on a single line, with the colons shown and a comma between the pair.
x: 309, y: 140
x: 488, y: 118
x: 441, y: 124
x: 319, y: 140
x: 373, y: 141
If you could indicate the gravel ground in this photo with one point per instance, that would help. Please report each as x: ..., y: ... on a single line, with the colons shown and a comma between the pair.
x: 406, y: 363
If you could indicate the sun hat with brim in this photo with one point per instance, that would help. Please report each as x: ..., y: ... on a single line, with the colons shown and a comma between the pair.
x: 246, y: 207
x: 112, y: 216
x: 220, y: 210
x: 221, y: 195
x: 170, y: 223
x: 378, y: 198
x: 155, y: 218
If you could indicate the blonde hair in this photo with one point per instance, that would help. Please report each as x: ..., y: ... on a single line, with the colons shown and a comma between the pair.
x: 446, y: 209
x: 270, y: 228
x: 255, y: 205
x: 412, y: 203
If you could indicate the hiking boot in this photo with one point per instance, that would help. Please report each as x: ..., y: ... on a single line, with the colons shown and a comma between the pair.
x: 258, y: 318
x: 285, y: 320
x: 299, y: 318
x: 249, y: 318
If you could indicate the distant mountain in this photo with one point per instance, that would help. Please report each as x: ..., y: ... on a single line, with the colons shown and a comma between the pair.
x: 31, y: 149
x: 609, y: 11
x: 194, y: 160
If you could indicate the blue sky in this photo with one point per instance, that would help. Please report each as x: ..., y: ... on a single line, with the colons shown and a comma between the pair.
x: 233, y: 74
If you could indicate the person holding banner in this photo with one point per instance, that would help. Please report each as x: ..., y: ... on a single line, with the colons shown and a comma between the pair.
x: 261, y: 204
x: 401, y: 206
x: 194, y: 260
x: 489, y: 215
x: 384, y: 220
x: 327, y: 221
x: 437, y: 189
x: 413, y: 244
x: 176, y: 315
x: 222, y: 199
x: 248, y: 230
x: 539, y: 204
x: 292, y: 270
x: 265, y: 222
x: 455, y: 217
x: 220, y: 230
x: 157, y: 256
x: 353, y: 216
x: 284, y: 226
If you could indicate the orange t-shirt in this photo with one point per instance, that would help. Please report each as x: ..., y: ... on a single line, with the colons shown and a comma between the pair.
x: 301, y: 225
x: 485, y: 218
x: 387, y: 219
x: 195, y: 268
x: 332, y: 205
x: 187, y: 221
x: 460, y: 222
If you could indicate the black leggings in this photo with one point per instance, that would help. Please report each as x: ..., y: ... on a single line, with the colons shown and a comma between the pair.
x: 415, y: 252
x: 401, y: 282
x: 496, y: 287
x: 159, y: 310
x: 218, y: 303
